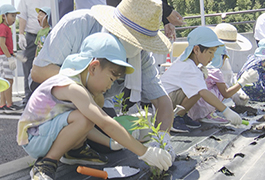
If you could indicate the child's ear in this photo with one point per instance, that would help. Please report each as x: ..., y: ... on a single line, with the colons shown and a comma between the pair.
x: 92, y: 66
x: 196, y: 49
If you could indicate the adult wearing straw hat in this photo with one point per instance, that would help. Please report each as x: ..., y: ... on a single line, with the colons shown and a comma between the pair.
x: 140, y: 35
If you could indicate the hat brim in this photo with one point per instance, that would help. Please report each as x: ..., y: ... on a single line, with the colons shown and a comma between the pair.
x: 74, y: 65
x: 241, y: 43
x: 129, y: 68
x: 105, y: 16
x: 185, y: 55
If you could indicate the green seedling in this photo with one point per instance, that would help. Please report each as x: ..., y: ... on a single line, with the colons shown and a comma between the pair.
x: 143, y: 123
x: 121, y: 103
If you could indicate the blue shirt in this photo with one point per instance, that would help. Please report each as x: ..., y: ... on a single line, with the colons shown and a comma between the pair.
x: 66, y: 38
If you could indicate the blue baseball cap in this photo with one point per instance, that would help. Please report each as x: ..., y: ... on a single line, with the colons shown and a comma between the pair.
x: 8, y: 8
x: 98, y: 45
x: 201, y: 35
x: 217, y: 61
x: 260, y: 51
x: 46, y: 10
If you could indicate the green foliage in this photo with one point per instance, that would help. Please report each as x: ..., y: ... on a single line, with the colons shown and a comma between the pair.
x: 143, y: 123
x: 192, y: 8
x: 121, y: 103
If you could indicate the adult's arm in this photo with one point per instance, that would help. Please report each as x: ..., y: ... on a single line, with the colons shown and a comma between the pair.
x: 164, y: 109
x: 40, y: 74
x: 152, y: 90
x: 22, y: 25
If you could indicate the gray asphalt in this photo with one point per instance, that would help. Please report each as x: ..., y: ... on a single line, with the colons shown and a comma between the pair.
x: 9, y: 150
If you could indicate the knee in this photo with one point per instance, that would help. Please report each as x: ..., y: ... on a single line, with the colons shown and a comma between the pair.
x: 80, y: 120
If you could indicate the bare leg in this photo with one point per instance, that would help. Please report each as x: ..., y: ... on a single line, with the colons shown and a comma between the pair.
x: 72, y: 136
x: 98, y: 137
x: 188, y: 103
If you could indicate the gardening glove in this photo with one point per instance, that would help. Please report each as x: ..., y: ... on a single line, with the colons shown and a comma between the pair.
x: 168, y: 146
x: 249, y: 76
x: 232, y: 116
x: 22, y: 42
x: 12, y: 63
x: 240, y: 98
x: 157, y: 157
x: 114, y: 145
x: 204, y: 71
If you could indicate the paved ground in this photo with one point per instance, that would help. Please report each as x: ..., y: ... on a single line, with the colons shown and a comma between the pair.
x: 9, y: 150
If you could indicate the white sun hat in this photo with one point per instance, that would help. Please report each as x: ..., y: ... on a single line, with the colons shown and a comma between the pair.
x: 232, y: 39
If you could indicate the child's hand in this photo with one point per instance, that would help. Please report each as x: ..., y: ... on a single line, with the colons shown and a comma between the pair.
x: 249, y: 76
x: 232, y: 116
x: 12, y: 63
x: 157, y: 157
x: 166, y: 141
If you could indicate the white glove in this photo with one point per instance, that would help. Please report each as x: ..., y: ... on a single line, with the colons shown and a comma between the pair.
x: 168, y: 146
x: 157, y: 157
x: 249, y: 76
x: 204, y: 71
x: 114, y: 145
x: 22, y: 42
x: 12, y: 63
x: 232, y: 116
x: 240, y: 98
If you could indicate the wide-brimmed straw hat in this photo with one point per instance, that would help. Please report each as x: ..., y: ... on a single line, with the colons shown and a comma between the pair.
x: 136, y: 22
x: 201, y: 35
x: 97, y: 45
x: 233, y: 40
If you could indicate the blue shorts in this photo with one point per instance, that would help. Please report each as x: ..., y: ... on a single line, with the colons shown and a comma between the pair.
x: 40, y: 145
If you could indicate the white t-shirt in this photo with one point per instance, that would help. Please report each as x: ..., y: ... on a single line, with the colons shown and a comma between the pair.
x: 259, y: 27
x: 28, y: 13
x: 185, y: 75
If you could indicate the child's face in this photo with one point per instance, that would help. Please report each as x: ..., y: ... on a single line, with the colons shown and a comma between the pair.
x: 206, y: 56
x: 42, y: 19
x: 100, y: 80
x: 9, y: 19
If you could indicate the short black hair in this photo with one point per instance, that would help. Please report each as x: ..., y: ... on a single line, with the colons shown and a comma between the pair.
x: 202, y: 48
x: 106, y: 63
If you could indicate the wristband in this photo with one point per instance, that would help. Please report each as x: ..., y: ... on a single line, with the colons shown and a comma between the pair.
x: 225, y: 109
x: 240, y: 84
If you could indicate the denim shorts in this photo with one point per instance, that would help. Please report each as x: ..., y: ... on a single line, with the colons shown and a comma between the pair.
x: 40, y: 145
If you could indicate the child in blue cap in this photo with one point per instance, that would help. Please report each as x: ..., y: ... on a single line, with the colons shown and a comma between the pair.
x: 185, y: 83
x: 8, y: 15
x: 215, y: 82
x: 61, y: 113
x: 44, y: 15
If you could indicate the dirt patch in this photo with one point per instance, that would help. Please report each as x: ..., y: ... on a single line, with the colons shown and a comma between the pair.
x: 242, y: 109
